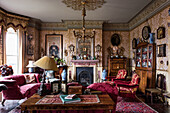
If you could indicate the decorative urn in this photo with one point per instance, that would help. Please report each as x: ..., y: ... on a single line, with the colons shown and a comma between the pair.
x: 63, y: 75
x: 104, y: 74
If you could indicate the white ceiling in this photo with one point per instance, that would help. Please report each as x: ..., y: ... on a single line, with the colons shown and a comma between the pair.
x: 113, y: 11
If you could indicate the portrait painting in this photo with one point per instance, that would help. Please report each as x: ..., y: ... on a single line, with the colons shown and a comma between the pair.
x: 54, y: 45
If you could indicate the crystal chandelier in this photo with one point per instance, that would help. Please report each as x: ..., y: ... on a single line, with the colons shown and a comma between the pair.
x: 83, y: 5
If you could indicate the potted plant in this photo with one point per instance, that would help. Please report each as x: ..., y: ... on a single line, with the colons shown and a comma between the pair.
x: 61, y: 61
x: 56, y: 61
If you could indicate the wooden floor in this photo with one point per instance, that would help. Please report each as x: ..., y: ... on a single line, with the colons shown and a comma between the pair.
x: 158, y: 105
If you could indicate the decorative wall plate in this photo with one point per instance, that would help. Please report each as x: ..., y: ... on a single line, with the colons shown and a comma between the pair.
x: 115, y: 39
x: 145, y: 32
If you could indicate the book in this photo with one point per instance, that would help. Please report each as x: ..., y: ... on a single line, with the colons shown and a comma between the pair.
x: 71, y: 96
x: 76, y: 99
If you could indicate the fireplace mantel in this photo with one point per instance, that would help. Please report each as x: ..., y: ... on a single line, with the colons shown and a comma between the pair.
x: 82, y: 62
x: 85, y: 63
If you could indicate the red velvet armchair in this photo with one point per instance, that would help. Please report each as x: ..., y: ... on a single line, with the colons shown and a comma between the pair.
x: 128, y: 88
x: 121, y: 75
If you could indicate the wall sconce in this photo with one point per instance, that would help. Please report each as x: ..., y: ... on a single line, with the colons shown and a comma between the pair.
x: 71, y: 47
x: 65, y: 52
x: 98, y: 50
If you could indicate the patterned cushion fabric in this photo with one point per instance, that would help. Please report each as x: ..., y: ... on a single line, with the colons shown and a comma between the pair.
x: 30, y: 78
x: 121, y: 74
x: 109, y: 82
x: 127, y: 90
x: 135, y: 79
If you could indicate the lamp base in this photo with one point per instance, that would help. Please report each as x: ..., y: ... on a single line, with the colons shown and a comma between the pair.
x: 42, y: 91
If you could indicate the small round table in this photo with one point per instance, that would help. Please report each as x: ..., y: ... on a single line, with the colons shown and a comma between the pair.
x: 167, y: 96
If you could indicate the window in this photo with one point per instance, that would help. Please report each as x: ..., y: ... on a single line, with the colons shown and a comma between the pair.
x: 12, y: 47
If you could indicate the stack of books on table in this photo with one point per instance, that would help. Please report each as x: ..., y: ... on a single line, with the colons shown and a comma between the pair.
x: 70, y: 98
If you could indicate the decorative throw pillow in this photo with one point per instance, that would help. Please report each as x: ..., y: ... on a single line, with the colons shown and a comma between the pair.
x: 30, y: 78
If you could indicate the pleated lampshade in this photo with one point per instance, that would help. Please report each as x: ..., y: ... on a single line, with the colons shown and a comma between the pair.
x: 46, y: 63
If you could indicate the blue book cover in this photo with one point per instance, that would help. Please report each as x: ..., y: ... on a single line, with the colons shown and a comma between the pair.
x: 76, y: 99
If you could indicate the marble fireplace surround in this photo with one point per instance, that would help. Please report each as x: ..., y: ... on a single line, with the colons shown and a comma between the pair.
x: 85, y: 63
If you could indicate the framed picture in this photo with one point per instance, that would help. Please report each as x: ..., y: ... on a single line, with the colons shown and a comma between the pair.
x: 115, y: 39
x: 55, y: 87
x: 134, y: 43
x: 54, y: 45
x: 161, y: 32
x: 161, y: 50
x: 30, y: 49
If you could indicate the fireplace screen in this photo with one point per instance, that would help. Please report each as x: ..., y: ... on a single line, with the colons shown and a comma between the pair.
x: 84, y: 75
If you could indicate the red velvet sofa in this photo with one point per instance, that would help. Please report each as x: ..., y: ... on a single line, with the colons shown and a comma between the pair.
x: 18, y: 88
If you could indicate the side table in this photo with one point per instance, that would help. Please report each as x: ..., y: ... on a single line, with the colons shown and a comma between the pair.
x: 167, y: 96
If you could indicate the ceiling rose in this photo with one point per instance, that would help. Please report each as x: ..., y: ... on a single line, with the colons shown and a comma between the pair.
x: 90, y: 4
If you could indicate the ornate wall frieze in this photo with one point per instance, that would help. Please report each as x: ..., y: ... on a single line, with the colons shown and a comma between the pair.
x: 115, y: 27
x: 71, y: 24
x: 152, y: 9
x: 12, y: 20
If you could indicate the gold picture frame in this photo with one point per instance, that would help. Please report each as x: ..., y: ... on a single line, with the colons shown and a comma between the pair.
x: 54, y: 45
x: 161, y: 32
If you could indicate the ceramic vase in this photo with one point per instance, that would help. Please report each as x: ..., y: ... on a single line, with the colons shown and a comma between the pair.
x: 151, y: 38
x: 104, y: 74
x: 63, y: 75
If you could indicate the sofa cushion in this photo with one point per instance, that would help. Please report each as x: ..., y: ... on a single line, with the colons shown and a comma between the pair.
x: 30, y: 78
x: 20, y: 79
x: 29, y: 89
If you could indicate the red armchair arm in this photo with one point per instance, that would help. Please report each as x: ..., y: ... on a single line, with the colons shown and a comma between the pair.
x: 111, y: 77
x: 122, y: 82
x: 127, y: 86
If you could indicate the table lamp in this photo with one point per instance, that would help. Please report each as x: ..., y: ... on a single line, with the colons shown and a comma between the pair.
x: 45, y: 63
x: 31, y: 66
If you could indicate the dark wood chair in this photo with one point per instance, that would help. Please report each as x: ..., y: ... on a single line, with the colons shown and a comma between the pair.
x: 158, y: 90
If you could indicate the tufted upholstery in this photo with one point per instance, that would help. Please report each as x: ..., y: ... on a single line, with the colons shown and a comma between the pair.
x: 128, y: 88
x: 17, y: 87
x: 121, y: 75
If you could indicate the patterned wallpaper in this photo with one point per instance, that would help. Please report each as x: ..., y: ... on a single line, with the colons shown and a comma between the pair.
x: 68, y: 39
x: 160, y: 19
x: 124, y: 35
x: 155, y: 22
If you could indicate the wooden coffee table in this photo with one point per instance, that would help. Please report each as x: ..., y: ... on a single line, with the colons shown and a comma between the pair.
x: 106, y: 103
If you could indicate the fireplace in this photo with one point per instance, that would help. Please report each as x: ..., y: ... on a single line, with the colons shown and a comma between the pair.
x: 84, y: 75
x: 85, y: 70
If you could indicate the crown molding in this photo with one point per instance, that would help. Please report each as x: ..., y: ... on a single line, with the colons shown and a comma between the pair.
x: 71, y: 24
x: 36, y: 23
x: 152, y: 9
x: 116, y: 27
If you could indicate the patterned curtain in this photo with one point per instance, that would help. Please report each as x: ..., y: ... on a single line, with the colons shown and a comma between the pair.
x: 16, y: 22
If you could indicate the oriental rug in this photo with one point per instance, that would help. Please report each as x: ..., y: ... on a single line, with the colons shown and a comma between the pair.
x: 132, y: 105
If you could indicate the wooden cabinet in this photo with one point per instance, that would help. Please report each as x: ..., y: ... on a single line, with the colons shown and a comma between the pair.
x: 115, y: 64
x: 145, y: 65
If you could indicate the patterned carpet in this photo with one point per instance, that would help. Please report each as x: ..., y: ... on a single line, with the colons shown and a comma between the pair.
x: 129, y: 105
x: 124, y: 105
